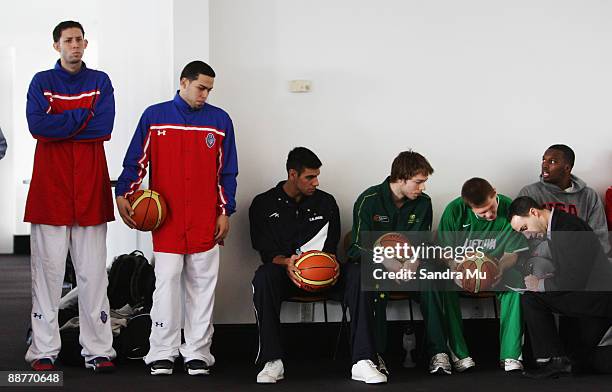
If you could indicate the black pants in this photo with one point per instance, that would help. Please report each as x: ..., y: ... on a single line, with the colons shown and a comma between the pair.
x: 593, y: 313
x: 271, y: 286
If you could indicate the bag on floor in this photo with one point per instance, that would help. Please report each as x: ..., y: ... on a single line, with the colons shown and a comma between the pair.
x: 131, y: 280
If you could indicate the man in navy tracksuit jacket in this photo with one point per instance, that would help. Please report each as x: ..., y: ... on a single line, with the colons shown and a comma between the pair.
x: 289, y: 219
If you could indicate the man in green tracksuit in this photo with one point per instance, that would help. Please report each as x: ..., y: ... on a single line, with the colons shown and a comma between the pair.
x: 479, y: 219
x: 399, y: 204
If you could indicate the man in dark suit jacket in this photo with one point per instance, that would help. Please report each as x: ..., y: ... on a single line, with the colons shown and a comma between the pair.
x: 580, y: 286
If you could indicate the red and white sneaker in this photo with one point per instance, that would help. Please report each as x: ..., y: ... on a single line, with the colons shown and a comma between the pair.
x: 43, y: 365
x: 100, y: 365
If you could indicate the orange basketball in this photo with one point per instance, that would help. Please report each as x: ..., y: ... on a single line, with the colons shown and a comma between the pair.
x: 478, y: 273
x: 391, y: 240
x: 149, y: 209
x: 317, y: 270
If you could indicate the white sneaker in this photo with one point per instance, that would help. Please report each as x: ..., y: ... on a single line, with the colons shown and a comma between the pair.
x: 461, y: 365
x: 366, y: 371
x: 440, y: 364
x: 272, y: 372
x: 511, y: 365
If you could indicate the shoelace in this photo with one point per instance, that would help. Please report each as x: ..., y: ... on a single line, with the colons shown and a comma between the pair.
x: 371, y: 364
x: 439, y: 360
x: 269, y: 366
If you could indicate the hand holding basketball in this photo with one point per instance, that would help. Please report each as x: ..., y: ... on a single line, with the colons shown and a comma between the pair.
x: 147, y: 210
x: 292, y: 270
x: 315, y: 271
x: 125, y: 211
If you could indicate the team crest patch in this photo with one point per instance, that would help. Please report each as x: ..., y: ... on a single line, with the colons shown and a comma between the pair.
x: 103, y: 317
x: 210, y: 140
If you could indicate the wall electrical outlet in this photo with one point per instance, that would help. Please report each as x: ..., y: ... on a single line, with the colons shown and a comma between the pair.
x: 300, y: 86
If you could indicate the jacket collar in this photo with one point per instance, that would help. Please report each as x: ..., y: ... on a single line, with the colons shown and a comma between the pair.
x: 183, y: 106
x: 58, y: 67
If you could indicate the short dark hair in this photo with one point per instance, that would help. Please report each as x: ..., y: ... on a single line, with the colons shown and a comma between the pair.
x: 67, y: 24
x: 476, y: 191
x: 196, y: 68
x: 521, y: 206
x: 301, y: 158
x: 408, y: 164
x: 568, y: 153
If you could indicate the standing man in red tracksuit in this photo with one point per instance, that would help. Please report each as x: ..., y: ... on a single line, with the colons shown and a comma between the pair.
x: 70, y: 112
x: 191, y: 147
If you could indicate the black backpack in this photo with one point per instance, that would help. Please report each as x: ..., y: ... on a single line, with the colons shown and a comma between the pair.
x: 131, y: 280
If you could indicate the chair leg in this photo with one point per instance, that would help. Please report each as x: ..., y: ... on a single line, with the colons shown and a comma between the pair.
x: 495, y: 306
x: 325, y: 310
x: 342, y: 323
x: 410, y: 307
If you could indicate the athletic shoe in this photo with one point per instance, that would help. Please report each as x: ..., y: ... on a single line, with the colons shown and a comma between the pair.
x: 440, y: 364
x: 512, y: 365
x: 196, y: 367
x: 556, y: 367
x: 162, y: 368
x: 382, y: 367
x: 272, y: 372
x: 43, y: 365
x: 100, y: 365
x: 366, y: 371
x: 461, y: 365
x: 542, y: 361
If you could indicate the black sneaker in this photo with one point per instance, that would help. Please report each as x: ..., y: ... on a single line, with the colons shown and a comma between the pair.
x: 162, y: 368
x: 196, y: 367
x: 100, y: 365
x: 382, y: 367
x: 556, y: 367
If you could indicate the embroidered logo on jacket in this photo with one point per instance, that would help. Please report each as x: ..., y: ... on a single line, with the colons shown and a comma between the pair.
x: 161, y: 133
x: 103, y: 317
x: 314, y: 218
x: 412, y: 219
x: 210, y: 140
x: 380, y: 218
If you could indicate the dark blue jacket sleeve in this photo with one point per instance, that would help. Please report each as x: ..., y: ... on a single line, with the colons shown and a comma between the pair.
x: 100, y: 125
x: 136, y: 159
x: 228, y: 172
x: 50, y: 127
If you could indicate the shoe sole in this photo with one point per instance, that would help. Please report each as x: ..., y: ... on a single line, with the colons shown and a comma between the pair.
x: 513, y: 369
x: 271, y: 382
x: 367, y: 382
x: 101, y: 370
x: 198, y: 372
x: 464, y: 369
x: 440, y: 371
x: 161, y: 372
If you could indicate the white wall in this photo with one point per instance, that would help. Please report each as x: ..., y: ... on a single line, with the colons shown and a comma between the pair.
x: 130, y: 40
x: 7, y: 165
x: 479, y: 87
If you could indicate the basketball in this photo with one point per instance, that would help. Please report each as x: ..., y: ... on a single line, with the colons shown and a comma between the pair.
x: 149, y: 209
x: 317, y: 270
x: 478, y: 273
x: 391, y: 239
